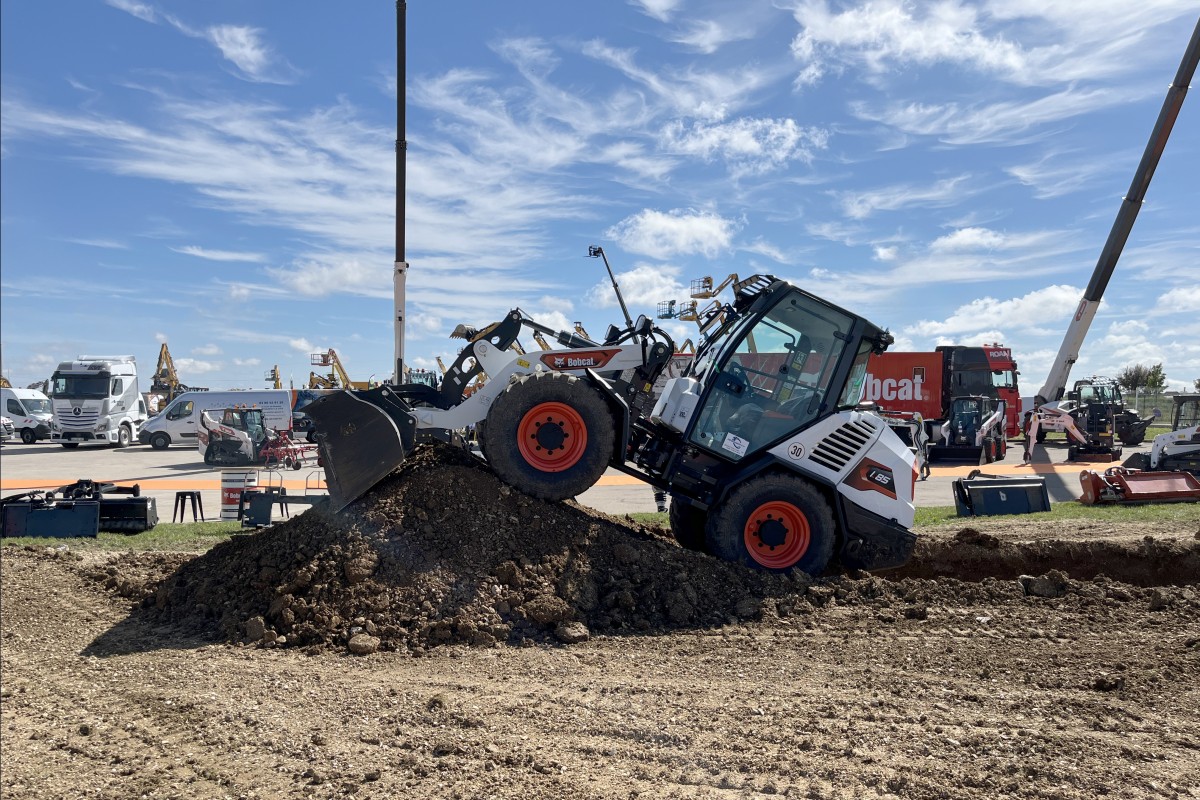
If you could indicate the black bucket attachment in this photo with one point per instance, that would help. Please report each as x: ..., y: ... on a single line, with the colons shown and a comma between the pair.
x: 953, y: 454
x: 131, y: 514
x: 361, y: 437
x: 980, y: 495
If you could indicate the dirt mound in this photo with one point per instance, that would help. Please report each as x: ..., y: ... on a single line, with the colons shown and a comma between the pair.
x: 442, y: 552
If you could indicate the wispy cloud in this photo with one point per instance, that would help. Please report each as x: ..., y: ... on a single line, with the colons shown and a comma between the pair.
x: 749, y: 146
x: 220, y: 255
x: 943, y: 193
x: 107, y: 244
x: 242, y: 46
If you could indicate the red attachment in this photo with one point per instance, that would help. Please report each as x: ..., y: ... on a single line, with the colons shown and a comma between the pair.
x: 1121, y: 485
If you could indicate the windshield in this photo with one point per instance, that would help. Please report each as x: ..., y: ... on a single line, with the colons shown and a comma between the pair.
x: 776, y: 379
x: 80, y: 386
x: 37, y: 406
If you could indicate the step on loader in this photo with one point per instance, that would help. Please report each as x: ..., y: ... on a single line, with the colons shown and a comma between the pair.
x: 973, y: 434
x: 760, y: 445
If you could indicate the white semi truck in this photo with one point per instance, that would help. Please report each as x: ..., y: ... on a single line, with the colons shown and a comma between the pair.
x: 96, y: 400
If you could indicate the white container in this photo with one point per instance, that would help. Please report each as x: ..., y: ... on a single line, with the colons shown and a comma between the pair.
x: 233, y: 483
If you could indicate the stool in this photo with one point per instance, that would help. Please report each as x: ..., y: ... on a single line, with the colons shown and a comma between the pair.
x: 181, y: 501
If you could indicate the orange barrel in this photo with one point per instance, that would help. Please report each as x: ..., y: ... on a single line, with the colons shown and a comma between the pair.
x: 233, y: 483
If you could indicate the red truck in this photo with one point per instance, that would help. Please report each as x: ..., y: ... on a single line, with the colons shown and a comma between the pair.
x: 927, y: 382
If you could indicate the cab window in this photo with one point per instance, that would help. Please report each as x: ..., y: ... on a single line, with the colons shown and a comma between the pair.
x: 117, y: 387
x: 180, y: 410
x: 14, y: 407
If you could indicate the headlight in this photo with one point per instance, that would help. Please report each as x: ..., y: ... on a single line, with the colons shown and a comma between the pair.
x: 103, y: 426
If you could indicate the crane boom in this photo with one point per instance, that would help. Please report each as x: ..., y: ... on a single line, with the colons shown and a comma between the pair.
x: 1068, y: 352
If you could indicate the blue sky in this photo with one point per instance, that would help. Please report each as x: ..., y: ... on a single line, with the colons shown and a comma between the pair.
x: 220, y: 175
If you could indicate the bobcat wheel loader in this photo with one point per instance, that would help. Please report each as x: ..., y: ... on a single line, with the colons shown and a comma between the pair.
x: 760, y: 444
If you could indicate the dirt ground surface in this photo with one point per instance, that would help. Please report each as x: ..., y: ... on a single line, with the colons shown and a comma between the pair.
x: 448, y: 637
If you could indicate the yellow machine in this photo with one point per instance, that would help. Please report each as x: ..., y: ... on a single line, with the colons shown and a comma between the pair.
x: 337, y: 377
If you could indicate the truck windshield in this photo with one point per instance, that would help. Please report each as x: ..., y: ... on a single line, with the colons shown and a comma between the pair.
x: 81, y: 386
x: 776, y: 377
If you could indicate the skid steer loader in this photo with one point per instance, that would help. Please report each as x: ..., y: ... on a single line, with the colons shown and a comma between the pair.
x: 760, y: 444
x: 973, y: 434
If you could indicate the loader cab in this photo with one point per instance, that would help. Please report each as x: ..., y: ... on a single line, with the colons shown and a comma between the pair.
x: 779, y: 370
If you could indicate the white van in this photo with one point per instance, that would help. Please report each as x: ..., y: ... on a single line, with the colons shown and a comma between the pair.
x: 30, y: 412
x: 177, y: 422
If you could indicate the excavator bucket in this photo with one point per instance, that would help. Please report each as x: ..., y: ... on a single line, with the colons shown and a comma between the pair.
x: 361, y: 437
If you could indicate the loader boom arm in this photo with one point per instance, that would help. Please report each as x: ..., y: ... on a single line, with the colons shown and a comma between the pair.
x: 1068, y: 353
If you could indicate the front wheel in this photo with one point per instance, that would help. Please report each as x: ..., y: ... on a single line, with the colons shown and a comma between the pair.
x: 160, y: 441
x: 124, y: 436
x: 28, y: 436
x: 550, y: 435
x: 774, y: 523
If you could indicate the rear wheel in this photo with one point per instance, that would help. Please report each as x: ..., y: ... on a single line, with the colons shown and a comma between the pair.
x: 550, y: 435
x: 687, y: 524
x: 774, y: 523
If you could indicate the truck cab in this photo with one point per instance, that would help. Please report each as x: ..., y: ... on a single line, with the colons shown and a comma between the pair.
x: 96, y: 400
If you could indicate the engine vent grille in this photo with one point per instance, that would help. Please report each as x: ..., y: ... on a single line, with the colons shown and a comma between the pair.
x: 840, y: 447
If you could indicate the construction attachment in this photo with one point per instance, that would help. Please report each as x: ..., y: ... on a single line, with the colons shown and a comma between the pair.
x: 1121, y: 485
x: 83, y: 508
x: 982, y: 495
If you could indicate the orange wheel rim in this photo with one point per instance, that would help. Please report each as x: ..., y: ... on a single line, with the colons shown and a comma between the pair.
x: 777, y: 535
x: 552, y: 437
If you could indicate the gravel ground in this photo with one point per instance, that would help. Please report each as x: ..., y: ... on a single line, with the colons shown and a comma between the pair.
x: 449, y: 637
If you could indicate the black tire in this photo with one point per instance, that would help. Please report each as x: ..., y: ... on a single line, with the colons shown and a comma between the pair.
x: 687, y: 525
x: 784, y: 516
x: 1001, y: 448
x: 28, y: 435
x: 70, y: 445
x: 160, y: 440
x: 311, y: 436
x: 1134, y: 441
x: 989, y: 449
x: 124, y: 436
x: 550, y: 435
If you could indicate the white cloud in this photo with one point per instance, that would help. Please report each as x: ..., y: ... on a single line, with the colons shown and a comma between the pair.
x: 1029, y: 313
x: 207, y: 350
x: 241, y: 45
x: 968, y: 239
x: 661, y: 10
x: 643, y: 287
x: 108, y: 244
x: 1180, y: 299
x: 886, y: 253
x: 220, y: 255
x: 749, y: 146
x: 1007, y: 121
x: 246, y: 362
x: 196, y: 366
x: 161, y: 338
x: 301, y: 345
x: 1053, y: 175
x: 884, y: 34
x: 142, y: 11
x: 674, y: 233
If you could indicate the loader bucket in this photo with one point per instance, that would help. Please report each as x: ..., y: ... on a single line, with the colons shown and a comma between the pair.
x: 953, y: 454
x: 1119, y: 485
x: 361, y: 437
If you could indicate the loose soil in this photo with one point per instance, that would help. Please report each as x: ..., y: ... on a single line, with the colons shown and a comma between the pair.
x: 447, y: 636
